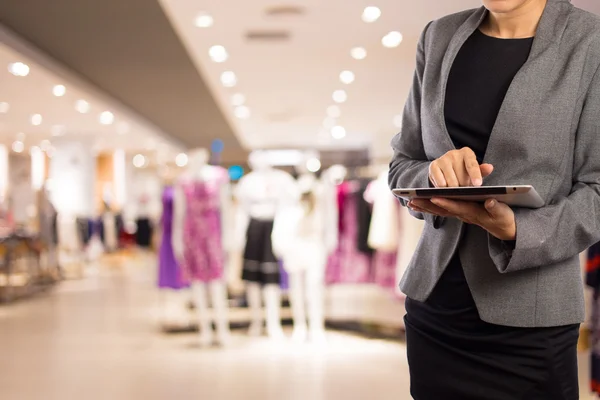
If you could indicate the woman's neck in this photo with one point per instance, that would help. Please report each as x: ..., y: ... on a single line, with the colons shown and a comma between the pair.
x: 516, y: 24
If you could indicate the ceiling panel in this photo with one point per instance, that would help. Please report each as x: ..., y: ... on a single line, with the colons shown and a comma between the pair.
x: 129, y: 50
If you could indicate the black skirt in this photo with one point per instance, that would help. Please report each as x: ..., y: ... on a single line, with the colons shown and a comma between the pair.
x: 260, y: 264
x: 454, y: 355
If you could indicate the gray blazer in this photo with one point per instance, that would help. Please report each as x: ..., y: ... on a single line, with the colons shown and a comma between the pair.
x: 547, y: 134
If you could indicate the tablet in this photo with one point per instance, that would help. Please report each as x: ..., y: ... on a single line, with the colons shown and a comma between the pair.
x: 517, y: 196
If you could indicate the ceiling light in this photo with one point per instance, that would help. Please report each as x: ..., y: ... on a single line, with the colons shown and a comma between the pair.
x: 358, y: 53
x: 340, y: 96
x: 106, y: 118
x: 313, y: 164
x: 18, y: 69
x: 59, y: 90
x: 371, y: 14
x: 139, y: 161
x: 398, y: 121
x: 181, y: 160
x: 122, y: 128
x: 392, y: 39
x: 218, y: 54
x: 347, y: 77
x: 328, y: 123
x: 45, y: 145
x: 334, y: 111
x: 228, y: 79
x: 18, y: 146
x: 338, y: 132
x: 238, y: 99
x: 242, y: 112
x: 82, y: 106
x: 204, y: 20
x: 57, y: 130
x: 36, y: 119
x: 4, y: 107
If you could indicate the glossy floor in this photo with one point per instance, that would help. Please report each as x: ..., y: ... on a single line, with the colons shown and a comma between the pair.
x: 99, y: 339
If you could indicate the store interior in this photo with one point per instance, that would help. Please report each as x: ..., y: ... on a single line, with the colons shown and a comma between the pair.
x: 194, y: 199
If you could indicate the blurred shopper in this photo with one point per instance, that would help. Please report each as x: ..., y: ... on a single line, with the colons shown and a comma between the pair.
x: 505, y: 94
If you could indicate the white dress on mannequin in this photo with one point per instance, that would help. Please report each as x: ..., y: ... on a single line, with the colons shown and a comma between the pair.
x: 299, y: 239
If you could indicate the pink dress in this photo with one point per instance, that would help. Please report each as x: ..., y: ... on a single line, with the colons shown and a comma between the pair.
x: 347, y: 264
x: 203, y: 258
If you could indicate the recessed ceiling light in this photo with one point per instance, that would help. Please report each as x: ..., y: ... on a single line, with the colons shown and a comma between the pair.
x: 338, y: 132
x: 371, y: 14
x: 57, y: 130
x: 398, y: 121
x: 242, y: 112
x: 228, y: 79
x: 45, y: 145
x: 106, y: 118
x: 238, y: 99
x: 347, y: 77
x: 334, y: 111
x: 18, y: 69
x: 204, y: 20
x: 181, y: 160
x: 82, y: 106
x: 218, y: 54
x: 4, y: 107
x: 18, y: 146
x: 139, y: 161
x: 340, y: 96
x: 358, y: 53
x: 59, y: 90
x: 313, y: 165
x: 392, y: 39
x: 36, y: 119
x: 329, y: 123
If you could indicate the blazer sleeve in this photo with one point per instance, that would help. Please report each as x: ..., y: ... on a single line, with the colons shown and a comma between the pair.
x: 409, y: 166
x: 565, y: 228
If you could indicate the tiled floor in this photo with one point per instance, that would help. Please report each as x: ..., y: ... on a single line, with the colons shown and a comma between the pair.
x: 98, y: 339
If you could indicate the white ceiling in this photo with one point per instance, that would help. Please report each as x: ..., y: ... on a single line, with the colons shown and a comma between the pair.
x: 33, y: 94
x: 288, y: 86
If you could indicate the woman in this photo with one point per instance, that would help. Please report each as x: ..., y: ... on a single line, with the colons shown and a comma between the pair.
x: 506, y: 94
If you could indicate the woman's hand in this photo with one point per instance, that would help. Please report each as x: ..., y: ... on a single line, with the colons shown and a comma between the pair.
x: 458, y: 168
x: 495, y: 217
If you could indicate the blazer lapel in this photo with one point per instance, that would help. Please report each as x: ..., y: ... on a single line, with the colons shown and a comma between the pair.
x: 532, y: 75
x: 459, y: 38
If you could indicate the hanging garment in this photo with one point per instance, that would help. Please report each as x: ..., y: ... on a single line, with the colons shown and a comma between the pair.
x: 260, y: 264
x: 364, y: 216
x: 203, y: 258
x: 169, y: 273
x: 347, y: 264
x: 593, y: 281
x: 384, y: 232
x: 143, y: 235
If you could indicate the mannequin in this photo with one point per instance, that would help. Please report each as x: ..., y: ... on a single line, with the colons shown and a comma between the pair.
x: 200, y: 199
x: 299, y: 239
x: 260, y: 194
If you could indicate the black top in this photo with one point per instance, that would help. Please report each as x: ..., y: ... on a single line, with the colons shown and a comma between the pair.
x: 479, y: 79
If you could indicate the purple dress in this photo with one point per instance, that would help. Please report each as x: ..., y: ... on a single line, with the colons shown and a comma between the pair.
x: 169, y: 273
x: 203, y: 255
